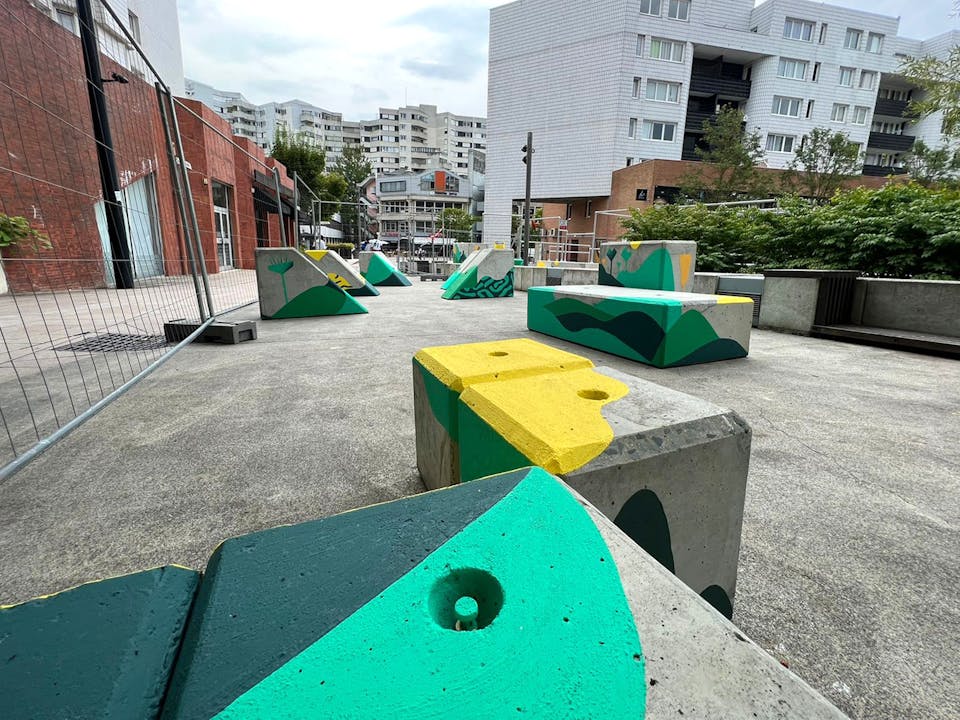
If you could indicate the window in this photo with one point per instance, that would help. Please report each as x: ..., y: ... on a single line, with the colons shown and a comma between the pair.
x: 792, y: 69
x: 786, y: 106
x: 629, y: 162
x: 809, y: 109
x: 650, y: 7
x: 662, y: 49
x: 662, y: 91
x: 839, y: 113
x: 639, y: 45
x: 851, y: 41
x: 780, y: 143
x: 679, y: 9
x: 794, y: 29
x: 636, y: 87
x: 133, y: 23
x: 846, y: 76
x: 874, y: 42
x: 656, y: 130
x: 67, y: 20
x: 816, y: 72
x: 393, y: 185
x: 588, y: 209
x: 867, y: 79
x: 632, y: 128
x: 860, y: 115
x: 823, y: 33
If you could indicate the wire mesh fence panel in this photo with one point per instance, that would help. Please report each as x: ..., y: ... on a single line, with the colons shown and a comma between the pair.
x: 95, y: 248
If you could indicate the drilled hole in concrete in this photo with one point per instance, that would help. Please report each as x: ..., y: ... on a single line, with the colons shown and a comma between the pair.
x: 465, y: 599
x: 591, y: 394
x: 498, y: 353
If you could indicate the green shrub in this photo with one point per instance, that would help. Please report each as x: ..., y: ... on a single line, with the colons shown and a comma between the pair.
x: 16, y: 230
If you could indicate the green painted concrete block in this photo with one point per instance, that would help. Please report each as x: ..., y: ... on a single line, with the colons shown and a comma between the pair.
x: 440, y: 374
x: 341, y: 273
x: 489, y: 600
x: 649, y: 265
x: 101, y: 650
x: 486, y: 273
x: 668, y: 468
x: 291, y: 285
x: 663, y: 329
x: 378, y: 270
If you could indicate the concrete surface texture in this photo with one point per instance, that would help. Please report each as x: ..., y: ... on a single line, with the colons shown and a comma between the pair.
x: 649, y: 265
x: 849, y: 552
x: 926, y: 306
x: 658, y: 327
x: 291, y: 285
x: 789, y: 303
x: 668, y: 468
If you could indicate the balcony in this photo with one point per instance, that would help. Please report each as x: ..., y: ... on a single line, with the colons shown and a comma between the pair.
x: 882, y: 170
x: 891, y: 108
x: 890, y: 141
x: 696, y: 118
x: 725, y: 87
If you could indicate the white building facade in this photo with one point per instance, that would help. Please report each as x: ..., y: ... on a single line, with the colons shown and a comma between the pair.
x: 603, y: 84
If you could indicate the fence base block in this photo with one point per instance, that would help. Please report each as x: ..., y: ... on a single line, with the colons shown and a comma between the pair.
x: 219, y: 332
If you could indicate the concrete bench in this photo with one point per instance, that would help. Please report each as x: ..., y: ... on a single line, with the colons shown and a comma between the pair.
x: 290, y: 285
x: 648, y: 265
x: 668, y: 468
x: 663, y: 329
x: 440, y: 374
x: 377, y: 269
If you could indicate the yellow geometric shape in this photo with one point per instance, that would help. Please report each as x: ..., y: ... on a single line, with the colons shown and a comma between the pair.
x: 731, y: 299
x: 316, y: 254
x: 461, y: 366
x: 635, y: 245
x: 554, y: 420
x: 686, y: 261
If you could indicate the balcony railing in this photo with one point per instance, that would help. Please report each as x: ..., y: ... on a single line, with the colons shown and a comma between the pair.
x: 890, y: 141
x: 891, y: 108
x: 696, y: 118
x: 883, y: 170
x: 727, y: 87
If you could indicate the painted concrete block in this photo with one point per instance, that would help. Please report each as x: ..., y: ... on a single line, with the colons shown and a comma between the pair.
x: 489, y: 600
x: 340, y: 272
x: 668, y: 468
x: 440, y: 374
x: 664, y: 329
x: 487, y: 273
x: 101, y: 650
x: 290, y: 285
x: 378, y: 270
x: 462, y: 250
x: 648, y: 265
x: 465, y: 264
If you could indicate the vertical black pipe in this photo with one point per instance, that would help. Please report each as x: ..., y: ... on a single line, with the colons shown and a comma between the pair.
x: 110, y: 184
x: 528, y: 159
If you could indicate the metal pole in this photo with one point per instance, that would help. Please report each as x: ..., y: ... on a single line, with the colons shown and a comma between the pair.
x: 191, y: 207
x: 296, y: 209
x: 358, y: 219
x: 178, y: 194
x: 283, y: 231
x: 526, y: 202
x: 109, y: 183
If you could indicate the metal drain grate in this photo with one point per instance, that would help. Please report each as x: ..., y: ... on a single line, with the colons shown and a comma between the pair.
x: 116, y: 342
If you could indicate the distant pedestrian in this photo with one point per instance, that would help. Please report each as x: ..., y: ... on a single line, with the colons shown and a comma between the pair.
x: 377, y: 245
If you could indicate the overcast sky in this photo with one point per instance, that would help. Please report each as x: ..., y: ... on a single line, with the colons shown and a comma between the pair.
x: 356, y: 57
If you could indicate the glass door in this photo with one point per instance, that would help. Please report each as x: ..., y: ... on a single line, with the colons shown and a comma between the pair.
x: 221, y: 216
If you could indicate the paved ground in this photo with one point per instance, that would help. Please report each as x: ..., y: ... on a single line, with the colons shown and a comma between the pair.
x: 850, y: 556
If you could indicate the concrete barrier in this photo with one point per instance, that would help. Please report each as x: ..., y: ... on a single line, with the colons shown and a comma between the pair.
x: 663, y: 329
x: 440, y: 374
x: 921, y: 306
x: 648, y: 265
x: 290, y: 285
x: 487, y: 273
x: 377, y: 270
x: 508, y: 596
x: 341, y: 273
x: 549, y: 274
x: 101, y: 650
x: 669, y: 469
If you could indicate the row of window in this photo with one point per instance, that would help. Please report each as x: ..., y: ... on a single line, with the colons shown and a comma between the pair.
x: 853, y: 39
x: 793, y: 69
x: 787, y: 143
x: 676, y: 9
x: 658, y: 90
x: 652, y: 130
x: 662, y: 48
x: 791, y: 106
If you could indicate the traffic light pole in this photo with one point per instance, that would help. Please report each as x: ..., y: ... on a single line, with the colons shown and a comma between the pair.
x: 528, y: 161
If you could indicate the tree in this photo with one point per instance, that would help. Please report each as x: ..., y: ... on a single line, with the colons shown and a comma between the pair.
x: 733, y: 154
x: 352, y: 165
x: 458, y: 223
x: 940, y: 82
x: 302, y: 157
x: 932, y: 167
x: 821, y: 164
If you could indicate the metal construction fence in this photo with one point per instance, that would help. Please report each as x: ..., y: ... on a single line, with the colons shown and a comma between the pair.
x: 122, y: 208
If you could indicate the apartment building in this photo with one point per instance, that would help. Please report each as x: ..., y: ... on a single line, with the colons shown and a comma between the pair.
x: 409, y: 203
x: 417, y: 138
x: 604, y: 84
x: 154, y: 24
